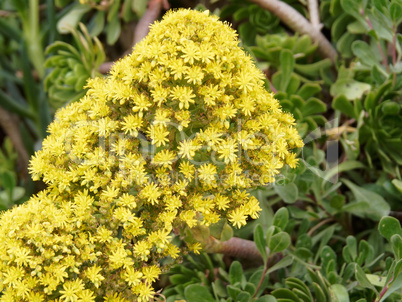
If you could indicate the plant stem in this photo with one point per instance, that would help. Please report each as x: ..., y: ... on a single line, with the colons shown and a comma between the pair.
x: 262, y: 278
x: 314, y: 14
x: 10, y: 127
x: 234, y: 247
x: 293, y: 19
x: 384, y: 290
x: 318, y: 225
x: 32, y: 36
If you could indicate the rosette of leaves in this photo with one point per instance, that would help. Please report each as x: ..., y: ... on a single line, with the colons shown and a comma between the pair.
x: 254, y: 20
x: 350, y: 20
x: 206, y: 277
x: 369, y: 89
x: 72, y: 66
x: 287, y: 61
x: 104, y: 16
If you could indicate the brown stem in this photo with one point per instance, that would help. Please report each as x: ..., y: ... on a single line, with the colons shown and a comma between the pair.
x: 293, y: 19
x: 262, y: 279
x: 314, y: 14
x: 10, y: 126
x: 234, y: 247
x: 318, y: 225
x: 384, y: 290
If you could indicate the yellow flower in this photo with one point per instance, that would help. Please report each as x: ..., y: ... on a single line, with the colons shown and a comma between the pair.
x: 172, y: 138
x: 71, y: 290
x: 87, y: 296
x: 187, y: 169
x: 237, y: 217
x: 150, y: 273
x: 187, y: 148
x: 207, y: 173
x: 131, y: 124
x: 158, y: 134
x: 184, y: 95
x: 144, y: 291
x: 151, y: 193
x: 131, y: 276
x: 227, y: 150
x: 164, y: 158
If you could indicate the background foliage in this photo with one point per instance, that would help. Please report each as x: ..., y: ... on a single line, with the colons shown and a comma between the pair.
x: 330, y: 229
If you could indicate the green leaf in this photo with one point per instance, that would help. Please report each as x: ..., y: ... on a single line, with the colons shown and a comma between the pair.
x: 313, y: 69
x: 319, y: 293
x: 339, y: 293
x: 396, y: 242
x: 389, y: 226
x: 344, y: 45
x: 279, y: 242
x: 350, y: 250
x: 377, y: 206
x: 395, y: 10
x: 287, y: 65
x: 313, y: 106
x: 376, y: 280
x: 235, y: 272
x: 233, y: 291
x: 337, y: 201
x: 366, y: 252
x: 227, y: 232
x: 139, y: 6
x: 284, y: 293
x: 10, y: 104
x: 243, y: 297
x: 198, y: 293
x: 266, y: 298
x: 398, y: 184
x: 354, y: 7
x: 338, y: 28
x: 113, y: 29
x: 295, y: 283
x: 362, y: 279
x: 349, y: 88
x: 241, y: 13
x: 289, y: 192
x: 97, y: 23
x: 284, y: 262
x: 357, y: 28
x: 113, y: 11
x: 260, y: 242
x: 345, y: 166
x: 71, y: 19
x: 281, y: 218
x: 247, y: 33
x: 250, y: 288
x: 363, y: 51
x: 215, y: 229
x: 308, y: 90
x: 342, y: 104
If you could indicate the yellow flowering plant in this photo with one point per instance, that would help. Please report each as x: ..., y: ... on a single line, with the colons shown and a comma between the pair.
x: 171, y: 140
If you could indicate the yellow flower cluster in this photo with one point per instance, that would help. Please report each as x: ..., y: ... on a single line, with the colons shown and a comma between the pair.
x: 172, y: 138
